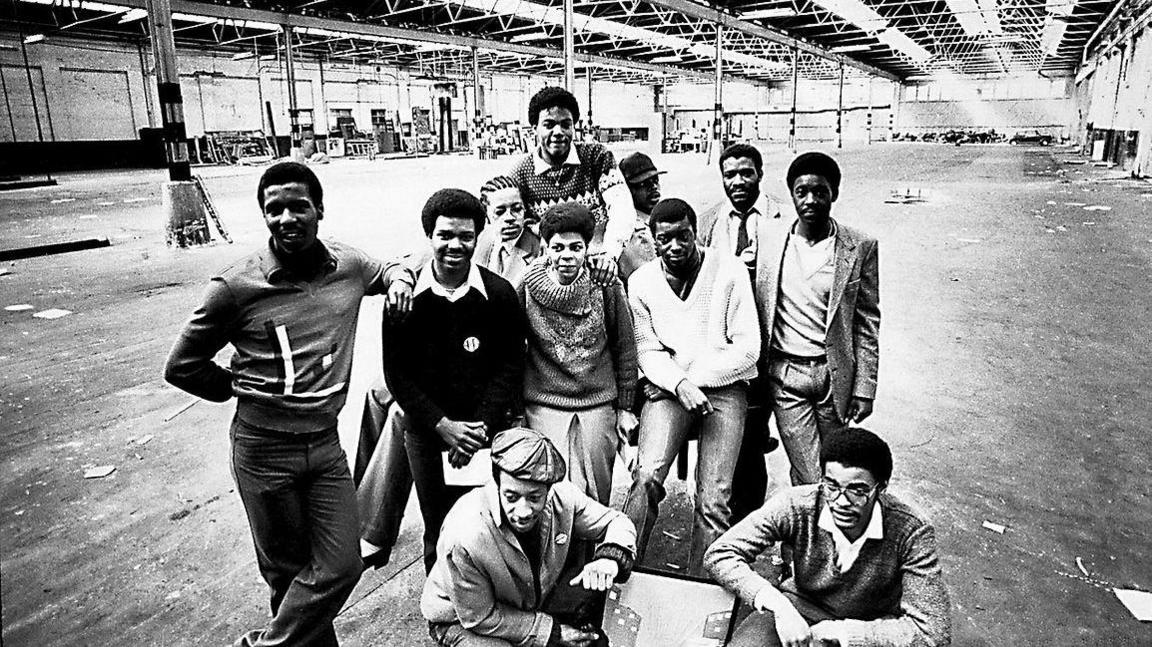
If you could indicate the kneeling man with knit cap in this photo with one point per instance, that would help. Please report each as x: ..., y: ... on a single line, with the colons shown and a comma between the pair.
x: 498, y: 577
x: 866, y: 571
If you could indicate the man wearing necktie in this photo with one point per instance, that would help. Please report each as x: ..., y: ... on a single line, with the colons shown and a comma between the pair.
x: 736, y: 226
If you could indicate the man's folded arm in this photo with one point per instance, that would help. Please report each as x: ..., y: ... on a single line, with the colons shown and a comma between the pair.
x: 190, y: 366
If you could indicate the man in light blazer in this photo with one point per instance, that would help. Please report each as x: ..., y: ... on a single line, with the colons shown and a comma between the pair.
x: 818, y: 292
x: 736, y: 226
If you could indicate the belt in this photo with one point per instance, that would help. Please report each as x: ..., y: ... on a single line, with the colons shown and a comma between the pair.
x: 797, y: 359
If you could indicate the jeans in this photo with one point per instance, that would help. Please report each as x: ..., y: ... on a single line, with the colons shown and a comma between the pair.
x: 436, y: 498
x: 301, y: 506
x: 664, y: 426
x: 801, y: 394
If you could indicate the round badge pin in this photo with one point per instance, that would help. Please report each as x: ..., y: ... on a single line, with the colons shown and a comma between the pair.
x: 471, y: 344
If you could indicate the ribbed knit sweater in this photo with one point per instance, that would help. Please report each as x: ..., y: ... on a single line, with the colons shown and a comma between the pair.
x: 581, y: 343
x: 711, y: 338
x: 893, y: 595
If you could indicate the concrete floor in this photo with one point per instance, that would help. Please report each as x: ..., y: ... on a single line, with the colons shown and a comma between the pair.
x: 1013, y: 388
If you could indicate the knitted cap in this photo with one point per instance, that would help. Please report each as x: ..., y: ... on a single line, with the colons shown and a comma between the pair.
x: 528, y: 455
x: 814, y: 163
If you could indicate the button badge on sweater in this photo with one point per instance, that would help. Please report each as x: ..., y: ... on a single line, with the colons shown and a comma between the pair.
x: 471, y: 344
x: 561, y: 539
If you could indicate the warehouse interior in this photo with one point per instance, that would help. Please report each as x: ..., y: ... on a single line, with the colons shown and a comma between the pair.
x: 1000, y: 150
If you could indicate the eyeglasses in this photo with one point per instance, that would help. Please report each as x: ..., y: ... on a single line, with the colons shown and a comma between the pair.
x: 855, y: 492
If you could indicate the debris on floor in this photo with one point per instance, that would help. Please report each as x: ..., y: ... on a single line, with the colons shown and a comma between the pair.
x: 142, y: 440
x: 1088, y: 223
x: 181, y: 410
x: 52, y: 313
x: 672, y: 535
x: 19, y: 307
x: 1075, y: 204
x: 672, y: 566
x: 1080, y: 565
x: 906, y: 196
x: 994, y: 527
x: 967, y: 240
x: 1098, y: 207
x: 63, y: 200
x: 99, y: 472
x: 1139, y: 603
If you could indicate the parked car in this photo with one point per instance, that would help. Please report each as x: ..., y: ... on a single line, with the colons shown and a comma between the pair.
x: 1030, y: 137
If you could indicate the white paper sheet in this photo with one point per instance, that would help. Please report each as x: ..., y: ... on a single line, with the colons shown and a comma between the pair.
x: 1139, y: 603
x: 477, y: 472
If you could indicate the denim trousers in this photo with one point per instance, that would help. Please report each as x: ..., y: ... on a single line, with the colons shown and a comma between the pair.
x: 664, y: 426
x: 801, y: 395
x: 301, y: 506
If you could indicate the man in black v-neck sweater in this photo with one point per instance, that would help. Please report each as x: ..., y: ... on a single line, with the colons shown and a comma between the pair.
x: 455, y: 364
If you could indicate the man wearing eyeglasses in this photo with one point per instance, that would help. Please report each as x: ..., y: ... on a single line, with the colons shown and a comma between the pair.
x: 866, y: 571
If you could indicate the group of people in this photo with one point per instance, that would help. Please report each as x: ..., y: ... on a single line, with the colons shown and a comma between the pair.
x: 563, y: 315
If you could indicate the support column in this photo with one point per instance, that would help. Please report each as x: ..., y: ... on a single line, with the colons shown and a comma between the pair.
x: 795, y: 83
x: 477, y: 119
x: 588, y: 111
x: 718, y: 107
x: 870, y: 109
x: 569, y: 48
x: 187, y: 222
x: 840, y: 111
x: 293, y: 109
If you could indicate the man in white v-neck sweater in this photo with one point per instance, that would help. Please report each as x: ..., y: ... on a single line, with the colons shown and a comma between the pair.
x: 697, y: 340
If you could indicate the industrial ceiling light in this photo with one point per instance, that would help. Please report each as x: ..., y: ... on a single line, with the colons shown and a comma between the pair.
x: 133, y: 15
x: 843, y: 49
x: 34, y: 38
x: 524, y: 38
x: 242, y: 55
x: 855, y: 12
x: 900, y: 42
x: 761, y: 14
x: 675, y: 58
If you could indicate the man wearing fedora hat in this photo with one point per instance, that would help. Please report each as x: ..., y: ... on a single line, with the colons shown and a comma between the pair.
x: 643, y: 180
x: 498, y: 578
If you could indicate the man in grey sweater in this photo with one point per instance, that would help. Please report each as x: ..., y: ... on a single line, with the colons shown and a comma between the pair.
x: 866, y: 571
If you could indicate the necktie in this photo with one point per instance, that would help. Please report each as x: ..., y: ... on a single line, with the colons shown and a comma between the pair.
x: 742, y: 241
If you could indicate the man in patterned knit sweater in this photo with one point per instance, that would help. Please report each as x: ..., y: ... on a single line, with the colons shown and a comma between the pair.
x: 867, y: 573
x: 697, y: 340
x: 560, y: 171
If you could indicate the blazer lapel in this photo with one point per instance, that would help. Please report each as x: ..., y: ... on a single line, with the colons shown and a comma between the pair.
x: 845, y: 258
x: 771, y: 236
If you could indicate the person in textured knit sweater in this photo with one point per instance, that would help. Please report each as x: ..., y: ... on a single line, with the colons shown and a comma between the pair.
x: 559, y: 171
x: 581, y: 372
x: 865, y: 564
x: 697, y: 340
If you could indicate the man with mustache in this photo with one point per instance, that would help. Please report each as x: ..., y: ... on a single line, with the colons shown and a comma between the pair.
x: 559, y: 170
x: 865, y: 563
x: 289, y: 311
x: 737, y: 226
x: 500, y: 578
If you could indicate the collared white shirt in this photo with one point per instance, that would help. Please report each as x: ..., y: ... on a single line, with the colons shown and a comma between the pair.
x: 540, y: 165
x: 847, y: 551
x: 427, y: 281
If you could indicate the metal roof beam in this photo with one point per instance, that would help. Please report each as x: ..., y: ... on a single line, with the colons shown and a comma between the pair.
x: 408, y: 35
x: 696, y: 10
